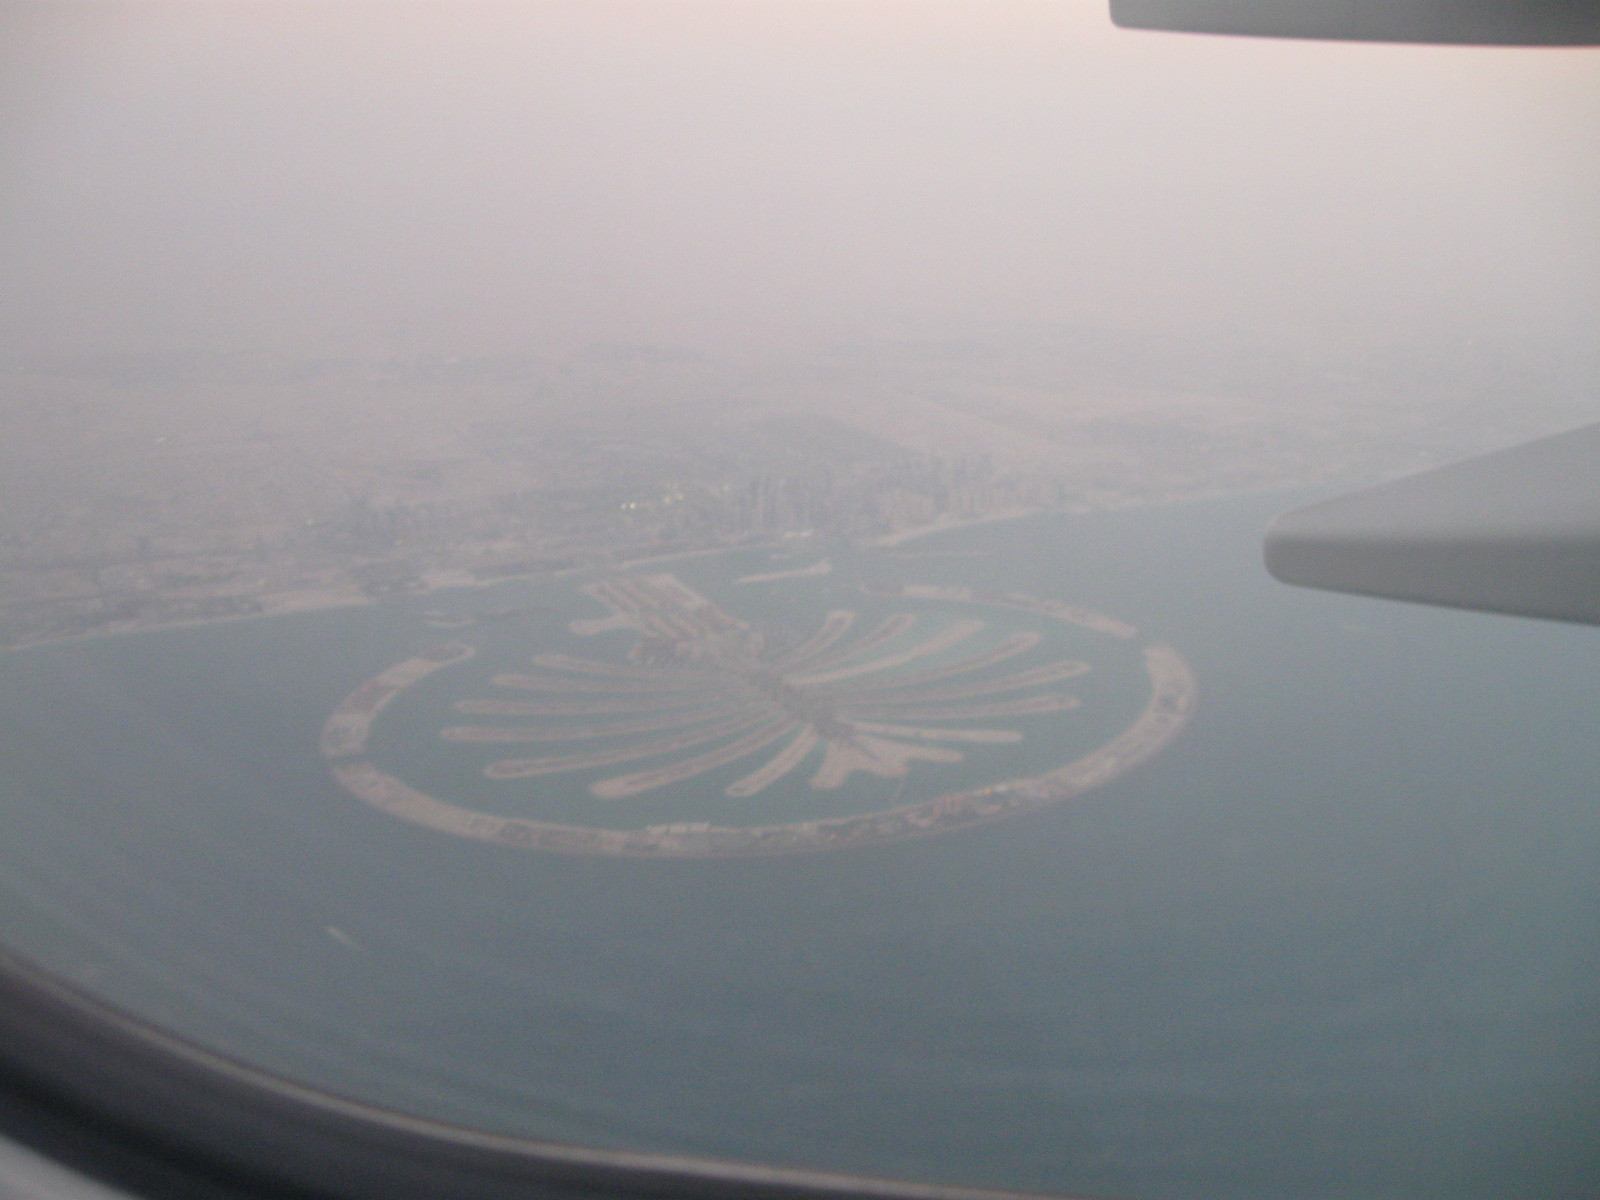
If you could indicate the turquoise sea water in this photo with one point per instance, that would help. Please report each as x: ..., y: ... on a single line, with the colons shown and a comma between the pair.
x: 1339, y: 940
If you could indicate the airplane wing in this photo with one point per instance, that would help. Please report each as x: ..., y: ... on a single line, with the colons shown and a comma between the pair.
x: 1517, y: 531
x: 1457, y: 22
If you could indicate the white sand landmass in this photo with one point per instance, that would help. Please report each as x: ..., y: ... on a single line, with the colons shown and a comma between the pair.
x: 817, y: 568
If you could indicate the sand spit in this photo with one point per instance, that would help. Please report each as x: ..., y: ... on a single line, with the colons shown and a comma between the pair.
x: 815, y: 569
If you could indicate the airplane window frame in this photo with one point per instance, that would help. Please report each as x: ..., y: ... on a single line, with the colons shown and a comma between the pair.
x: 134, y: 1107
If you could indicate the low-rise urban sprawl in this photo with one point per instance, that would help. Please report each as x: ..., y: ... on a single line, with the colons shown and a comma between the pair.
x: 140, y: 492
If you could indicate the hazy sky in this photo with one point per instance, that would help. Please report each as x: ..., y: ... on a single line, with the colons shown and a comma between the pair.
x: 459, y: 178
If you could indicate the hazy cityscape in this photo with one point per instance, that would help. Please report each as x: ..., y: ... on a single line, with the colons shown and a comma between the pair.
x: 146, y: 490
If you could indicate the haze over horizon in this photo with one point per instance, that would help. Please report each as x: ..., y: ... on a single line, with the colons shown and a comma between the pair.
x: 465, y: 179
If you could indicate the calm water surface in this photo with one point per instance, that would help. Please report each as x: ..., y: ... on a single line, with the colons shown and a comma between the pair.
x: 1338, y: 940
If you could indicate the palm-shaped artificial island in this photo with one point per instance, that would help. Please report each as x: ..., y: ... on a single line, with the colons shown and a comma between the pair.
x: 699, y: 676
x: 699, y: 690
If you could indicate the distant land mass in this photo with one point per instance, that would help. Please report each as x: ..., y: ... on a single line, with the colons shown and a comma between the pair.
x: 146, y: 490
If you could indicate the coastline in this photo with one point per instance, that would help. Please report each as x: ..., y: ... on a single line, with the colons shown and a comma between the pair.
x: 443, y: 579
x: 901, y: 536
